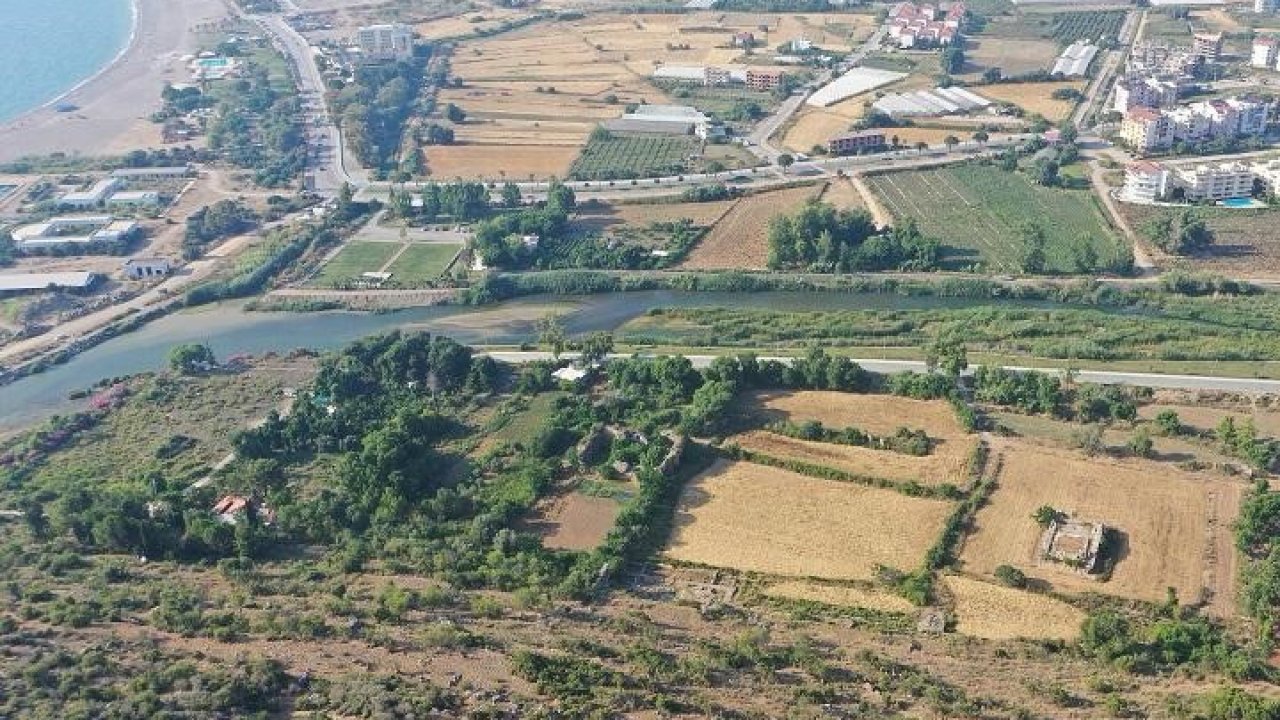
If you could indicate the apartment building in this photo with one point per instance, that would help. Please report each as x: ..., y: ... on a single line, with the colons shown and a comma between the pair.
x: 1146, y: 129
x: 1265, y: 49
x: 1207, y: 45
x: 1145, y: 182
x: 853, y: 143
x: 763, y: 80
x: 385, y: 43
x: 1212, y: 182
x: 1139, y: 90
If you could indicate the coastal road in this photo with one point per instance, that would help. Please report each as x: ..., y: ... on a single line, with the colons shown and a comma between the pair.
x: 889, y: 367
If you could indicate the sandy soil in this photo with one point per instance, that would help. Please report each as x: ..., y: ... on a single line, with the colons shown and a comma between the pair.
x: 114, y: 106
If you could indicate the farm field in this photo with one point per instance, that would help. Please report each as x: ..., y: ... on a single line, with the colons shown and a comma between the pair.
x: 489, y: 20
x: 979, y: 213
x: 1175, y: 527
x: 355, y: 258
x: 739, y: 241
x: 1068, y: 27
x: 843, y: 196
x: 541, y: 90
x: 574, y: 521
x: 1035, y: 97
x: 944, y: 465
x: 421, y: 262
x: 876, y: 414
x: 622, y: 218
x: 1246, y: 242
x: 840, y: 595
x: 1012, y: 56
x: 622, y: 156
x: 1204, y: 419
x: 995, y: 612
x: 493, y: 162
x: 760, y: 519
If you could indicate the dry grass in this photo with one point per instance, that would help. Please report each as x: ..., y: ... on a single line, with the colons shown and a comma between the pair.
x: 839, y: 595
x: 1206, y: 419
x: 574, y: 521
x: 492, y: 161
x: 933, y: 469
x: 1013, y: 57
x: 815, y: 126
x: 462, y: 25
x: 761, y: 519
x: 739, y: 241
x: 616, y: 217
x: 876, y: 414
x: 995, y: 612
x: 844, y: 196
x: 1176, y: 527
x: 1034, y: 97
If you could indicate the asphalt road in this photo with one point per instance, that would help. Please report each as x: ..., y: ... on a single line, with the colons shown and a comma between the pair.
x: 1101, y: 377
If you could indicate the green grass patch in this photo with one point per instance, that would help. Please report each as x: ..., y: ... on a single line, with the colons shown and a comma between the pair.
x: 422, y: 263
x: 355, y: 258
x: 615, y: 157
x: 980, y: 214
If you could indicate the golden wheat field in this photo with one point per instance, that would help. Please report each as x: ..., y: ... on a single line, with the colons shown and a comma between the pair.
x: 749, y: 517
x: 493, y: 162
x: 840, y: 595
x: 1035, y: 97
x: 740, y: 240
x: 876, y: 414
x: 934, y: 469
x: 1175, y: 527
x: 995, y: 612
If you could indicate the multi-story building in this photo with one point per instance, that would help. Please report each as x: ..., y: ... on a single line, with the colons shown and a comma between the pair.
x: 924, y: 25
x: 1211, y: 182
x: 763, y: 80
x: 1139, y: 90
x: 1253, y: 115
x: 853, y: 143
x: 1145, y: 182
x: 1264, y: 52
x: 1146, y: 129
x: 385, y: 43
x: 1155, y: 57
x: 1265, y: 6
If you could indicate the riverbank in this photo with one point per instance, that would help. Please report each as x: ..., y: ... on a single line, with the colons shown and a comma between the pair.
x: 113, y: 106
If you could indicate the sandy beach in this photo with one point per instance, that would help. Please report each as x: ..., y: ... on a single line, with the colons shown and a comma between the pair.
x: 115, y: 105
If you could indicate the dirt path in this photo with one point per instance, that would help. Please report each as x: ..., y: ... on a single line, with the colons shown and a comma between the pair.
x: 1142, y: 256
x: 879, y: 213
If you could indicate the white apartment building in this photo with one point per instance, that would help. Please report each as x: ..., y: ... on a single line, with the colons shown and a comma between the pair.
x: 1145, y: 182
x: 385, y: 43
x: 1146, y: 128
x: 1138, y: 90
x: 1217, y: 181
x: 1264, y: 52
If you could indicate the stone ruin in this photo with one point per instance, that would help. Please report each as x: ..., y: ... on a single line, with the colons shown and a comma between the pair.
x: 1073, y: 543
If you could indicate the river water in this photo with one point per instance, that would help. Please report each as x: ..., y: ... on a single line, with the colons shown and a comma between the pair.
x: 228, y: 329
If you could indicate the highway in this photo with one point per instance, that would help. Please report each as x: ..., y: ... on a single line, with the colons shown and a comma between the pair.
x: 889, y: 367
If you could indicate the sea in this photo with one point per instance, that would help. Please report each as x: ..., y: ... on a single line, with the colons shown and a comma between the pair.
x: 48, y: 47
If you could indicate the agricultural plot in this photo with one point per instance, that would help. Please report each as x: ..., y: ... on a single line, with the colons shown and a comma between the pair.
x: 495, y: 162
x: 422, y: 262
x: 981, y: 212
x: 928, y: 470
x: 1204, y: 419
x: 739, y: 241
x: 1035, y: 98
x: 1068, y: 27
x: 840, y: 595
x: 355, y: 258
x: 995, y: 612
x: 1013, y: 57
x: 1171, y: 529
x: 1246, y: 242
x: 574, y: 521
x: 632, y: 220
x: 760, y: 519
x: 619, y: 157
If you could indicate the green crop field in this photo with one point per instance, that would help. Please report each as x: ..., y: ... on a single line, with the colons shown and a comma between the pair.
x: 1069, y: 27
x: 623, y: 156
x: 980, y: 213
x: 420, y: 263
x: 355, y: 258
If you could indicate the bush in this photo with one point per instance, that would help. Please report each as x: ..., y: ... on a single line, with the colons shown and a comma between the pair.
x: 1011, y: 576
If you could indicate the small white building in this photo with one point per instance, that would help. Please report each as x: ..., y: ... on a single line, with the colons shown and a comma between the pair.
x: 93, y: 197
x: 73, y: 229
x: 134, y: 198
x: 152, y: 173
x: 147, y: 268
x: 1264, y: 52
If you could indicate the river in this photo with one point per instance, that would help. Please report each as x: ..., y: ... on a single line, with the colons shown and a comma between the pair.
x: 229, y: 329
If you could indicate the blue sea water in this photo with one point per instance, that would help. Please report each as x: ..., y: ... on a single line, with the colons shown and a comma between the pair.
x: 47, y: 47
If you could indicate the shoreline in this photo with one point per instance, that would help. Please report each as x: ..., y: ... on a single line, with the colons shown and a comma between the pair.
x: 113, y: 105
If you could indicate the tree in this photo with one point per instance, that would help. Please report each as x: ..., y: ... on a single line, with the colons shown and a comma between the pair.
x: 1011, y: 576
x: 1046, y: 515
x: 511, y: 195
x: 1047, y: 172
x: 921, y: 146
x: 1168, y: 423
x: 551, y: 332
x: 1140, y: 443
x: 1033, y: 251
x: 454, y: 114
x: 596, y: 347
x: 952, y: 60
x: 1067, y: 133
x: 992, y: 75
x: 191, y: 358
x: 948, y: 355
x: 981, y: 137
x: 785, y: 160
x: 951, y: 141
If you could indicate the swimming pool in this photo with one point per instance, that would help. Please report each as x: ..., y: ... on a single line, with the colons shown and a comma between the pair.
x: 1242, y: 202
x: 214, y: 62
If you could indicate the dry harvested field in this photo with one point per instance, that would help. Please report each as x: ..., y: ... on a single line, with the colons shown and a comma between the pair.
x: 876, y: 414
x: 1034, y: 97
x: 996, y: 612
x: 840, y: 595
x: 844, y: 196
x: 461, y: 25
x: 497, y: 161
x: 1176, y: 527
x: 574, y: 521
x: 739, y: 241
x: 1013, y: 57
x: 760, y: 519
x: 945, y: 465
x: 616, y: 217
